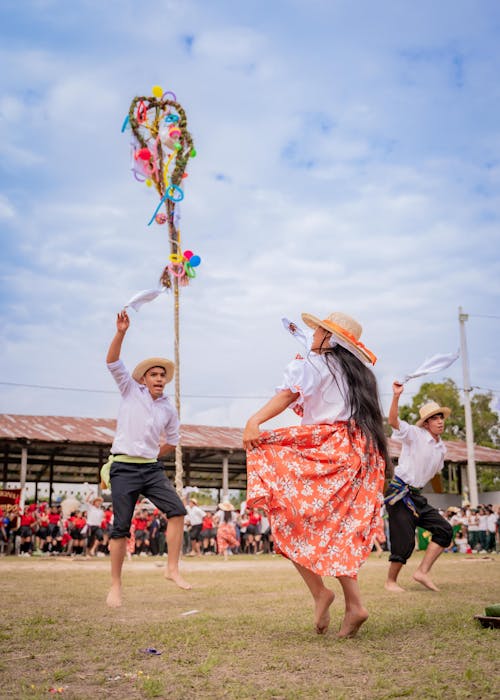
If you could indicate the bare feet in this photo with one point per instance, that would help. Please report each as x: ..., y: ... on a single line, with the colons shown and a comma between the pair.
x: 393, y: 587
x: 425, y: 580
x: 178, y: 580
x: 351, y: 623
x: 114, y: 599
x: 322, y: 610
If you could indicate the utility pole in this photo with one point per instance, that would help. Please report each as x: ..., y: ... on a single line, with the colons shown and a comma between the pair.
x: 469, y: 430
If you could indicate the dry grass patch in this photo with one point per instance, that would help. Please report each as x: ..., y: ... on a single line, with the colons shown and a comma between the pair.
x: 252, y: 636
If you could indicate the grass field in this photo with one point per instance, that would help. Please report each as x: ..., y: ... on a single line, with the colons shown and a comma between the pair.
x: 251, y: 637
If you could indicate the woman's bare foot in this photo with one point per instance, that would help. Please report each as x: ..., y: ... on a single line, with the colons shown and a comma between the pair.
x: 322, y: 610
x: 178, y: 580
x: 351, y: 623
x: 393, y: 587
x: 425, y: 580
x: 114, y: 599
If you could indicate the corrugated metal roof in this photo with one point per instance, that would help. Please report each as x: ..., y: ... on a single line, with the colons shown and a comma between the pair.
x: 100, y: 431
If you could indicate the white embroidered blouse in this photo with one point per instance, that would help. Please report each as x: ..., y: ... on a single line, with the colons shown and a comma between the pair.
x: 323, y: 396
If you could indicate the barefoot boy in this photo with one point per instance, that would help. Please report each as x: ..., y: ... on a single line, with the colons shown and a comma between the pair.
x: 422, y: 457
x: 144, y: 416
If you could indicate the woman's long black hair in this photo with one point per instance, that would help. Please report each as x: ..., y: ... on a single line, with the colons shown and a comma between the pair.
x: 362, y: 398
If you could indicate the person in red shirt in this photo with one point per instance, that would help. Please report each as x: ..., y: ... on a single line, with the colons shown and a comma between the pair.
x: 55, y: 532
x: 208, y: 534
x: 253, y: 531
x: 141, y: 525
x: 107, y: 526
x: 42, y: 532
x: 77, y: 528
x: 28, y: 521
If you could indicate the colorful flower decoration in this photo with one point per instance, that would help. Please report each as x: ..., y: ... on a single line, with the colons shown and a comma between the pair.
x: 160, y: 151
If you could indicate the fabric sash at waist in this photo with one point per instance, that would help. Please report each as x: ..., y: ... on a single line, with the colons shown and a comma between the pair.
x: 127, y: 459
x: 398, y: 490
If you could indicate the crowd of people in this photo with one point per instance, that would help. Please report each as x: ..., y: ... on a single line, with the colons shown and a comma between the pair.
x: 44, y: 530
x: 475, y: 530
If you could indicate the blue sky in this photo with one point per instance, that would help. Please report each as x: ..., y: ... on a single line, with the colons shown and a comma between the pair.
x: 348, y: 159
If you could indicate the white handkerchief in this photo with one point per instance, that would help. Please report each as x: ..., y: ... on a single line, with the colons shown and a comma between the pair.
x: 436, y: 363
x: 144, y: 297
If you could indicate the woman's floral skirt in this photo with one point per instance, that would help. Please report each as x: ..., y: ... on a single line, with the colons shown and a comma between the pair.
x: 322, y: 489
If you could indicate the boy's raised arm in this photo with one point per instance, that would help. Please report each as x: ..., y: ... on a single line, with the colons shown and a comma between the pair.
x: 393, y: 418
x: 122, y: 325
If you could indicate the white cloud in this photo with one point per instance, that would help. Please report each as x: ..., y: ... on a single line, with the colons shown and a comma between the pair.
x: 7, y: 211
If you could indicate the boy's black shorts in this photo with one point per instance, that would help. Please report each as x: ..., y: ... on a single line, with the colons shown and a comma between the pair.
x: 129, y: 481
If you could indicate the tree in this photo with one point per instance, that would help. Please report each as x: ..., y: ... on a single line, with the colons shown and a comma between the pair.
x: 486, y: 422
x: 488, y: 478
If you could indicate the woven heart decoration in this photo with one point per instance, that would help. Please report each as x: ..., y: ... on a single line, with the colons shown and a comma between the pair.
x: 160, y: 150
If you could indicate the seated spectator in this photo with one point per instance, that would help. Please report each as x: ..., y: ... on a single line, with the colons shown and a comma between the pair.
x: 461, y: 542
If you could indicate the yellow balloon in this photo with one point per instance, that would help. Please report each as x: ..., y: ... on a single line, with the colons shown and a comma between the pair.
x: 157, y: 91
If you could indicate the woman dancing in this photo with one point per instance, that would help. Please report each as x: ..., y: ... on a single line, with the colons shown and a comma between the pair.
x: 322, y: 482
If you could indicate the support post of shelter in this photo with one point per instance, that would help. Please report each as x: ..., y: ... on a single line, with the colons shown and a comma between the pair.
x: 225, y: 478
x: 51, y: 478
x: 24, y: 471
x: 463, y: 478
x: 5, y: 467
x: 469, y: 430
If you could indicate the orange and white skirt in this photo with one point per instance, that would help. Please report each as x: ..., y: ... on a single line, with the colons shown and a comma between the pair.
x: 322, y: 489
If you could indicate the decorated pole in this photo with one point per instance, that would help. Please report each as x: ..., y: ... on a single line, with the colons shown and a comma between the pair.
x: 161, y: 149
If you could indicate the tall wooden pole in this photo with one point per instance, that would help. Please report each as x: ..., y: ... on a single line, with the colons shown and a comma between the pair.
x: 179, y: 469
x: 469, y: 430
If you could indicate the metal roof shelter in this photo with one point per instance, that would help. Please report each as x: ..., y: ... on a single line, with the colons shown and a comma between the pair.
x: 72, y: 450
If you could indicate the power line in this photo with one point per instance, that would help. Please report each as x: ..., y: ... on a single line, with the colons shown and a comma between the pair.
x: 109, y: 391
x: 189, y: 396
x: 482, y: 316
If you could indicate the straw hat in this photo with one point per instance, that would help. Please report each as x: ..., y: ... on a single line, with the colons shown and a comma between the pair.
x: 345, y: 330
x: 143, y: 367
x: 226, y: 506
x: 432, y: 409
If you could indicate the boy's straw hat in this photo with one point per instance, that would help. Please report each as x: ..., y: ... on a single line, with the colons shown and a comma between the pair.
x: 226, y: 506
x: 432, y: 409
x: 346, y: 331
x: 143, y: 367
